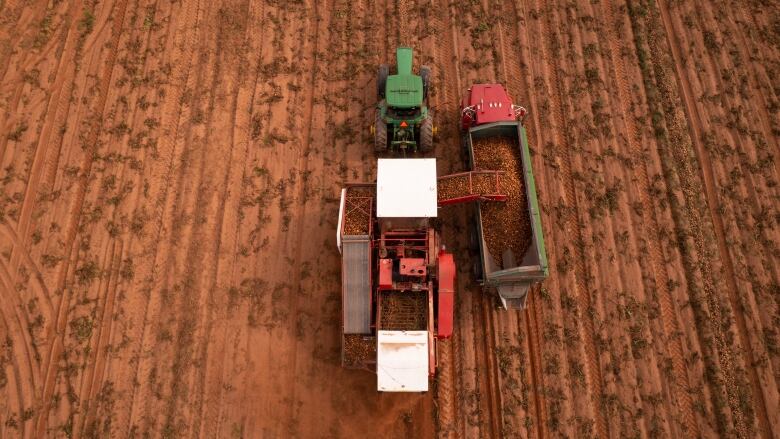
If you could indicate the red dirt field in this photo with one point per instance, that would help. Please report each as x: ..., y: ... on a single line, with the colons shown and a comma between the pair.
x: 169, y: 180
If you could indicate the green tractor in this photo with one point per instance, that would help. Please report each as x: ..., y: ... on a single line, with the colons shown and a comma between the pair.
x: 403, y: 121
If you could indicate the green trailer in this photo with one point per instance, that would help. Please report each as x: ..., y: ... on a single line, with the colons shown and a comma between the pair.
x: 519, y: 273
x: 403, y: 121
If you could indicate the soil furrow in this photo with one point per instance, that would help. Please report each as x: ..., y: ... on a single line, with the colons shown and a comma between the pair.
x: 50, y: 365
x: 23, y: 362
x: 535, y: 362
x: 173, y: 117
x: 593, y: 370
x: 670, y: 322
x: 706, y: 171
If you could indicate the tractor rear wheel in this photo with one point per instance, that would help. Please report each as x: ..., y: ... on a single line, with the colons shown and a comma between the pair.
x: 426, y: 134
x: 380, y: 134
x: 425, y: 74
x: 381, y: 80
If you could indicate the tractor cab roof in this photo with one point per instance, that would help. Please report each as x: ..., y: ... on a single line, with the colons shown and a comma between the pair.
x: 404, y: 91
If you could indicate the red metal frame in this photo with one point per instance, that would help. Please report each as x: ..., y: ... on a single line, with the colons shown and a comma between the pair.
x: 486, y: 103
x: 446, y: 291
x: 385, y: 274
x: 413, y: 267
x: 424, y: 242
x: 431, y: 339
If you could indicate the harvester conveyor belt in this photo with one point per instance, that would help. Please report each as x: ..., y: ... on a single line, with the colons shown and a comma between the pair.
x: 470, y: 186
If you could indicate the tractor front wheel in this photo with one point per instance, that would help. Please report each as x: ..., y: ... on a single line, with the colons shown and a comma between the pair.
x: 381, y: 80
x: 425, y: 74
x: 426, y: 135
x: 380, y: 134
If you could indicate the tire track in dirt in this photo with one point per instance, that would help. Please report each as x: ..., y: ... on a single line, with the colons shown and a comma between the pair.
x: 744, y: 139
x: 243, y: 98
x: 532, y: 313
x: 62, y: 109
x: 743, y: 302
x: 29, y: 264
x: 12, y: 13
x: 631, y: 383
x: 13, y: 400
x: 447, y: 85
x: 273, y: 357
x: 162, y: 175
x: 508, y: 37
x: 15, y: 22
x: 237, y: 111
x: 445, y: 405
x: 195, y: 194
x: 694, y: 224
x: 484, y: 403
x: 60, y: 101
x: 469, y: 383
x: 439, y: 46
x: 491, y: 372
x: 385, y: 9
x: 117, y: 249
x: 490, y: 403
x: 304, y: 168
x: 707, y: 178
x: 22, y: 361
x: 50, y: 365
x: 529, y: 319
x: 255, y: 27
x: 744, y: 112
x: 451, y: 58
x: 658, y: 269
x: 472, y: 381
x: 402, y: 12
x: 593, y: 377
x: 12, y: 35
x: 285, y: 355
x: 753, y: 73
x: 457, y: 367
x: 92, y: 375
x: 511, y: 73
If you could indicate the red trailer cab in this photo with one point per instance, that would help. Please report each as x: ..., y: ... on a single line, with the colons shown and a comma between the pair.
x: 487, y: 103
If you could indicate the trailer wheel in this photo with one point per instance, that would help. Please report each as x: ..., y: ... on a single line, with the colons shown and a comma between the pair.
x: 380, y: 134
x: 476, y: 270
x: 474, y: 240
x: 464, y: 143
x: 381, y: 80
x: 425, y: 74
x: 426, y: 134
